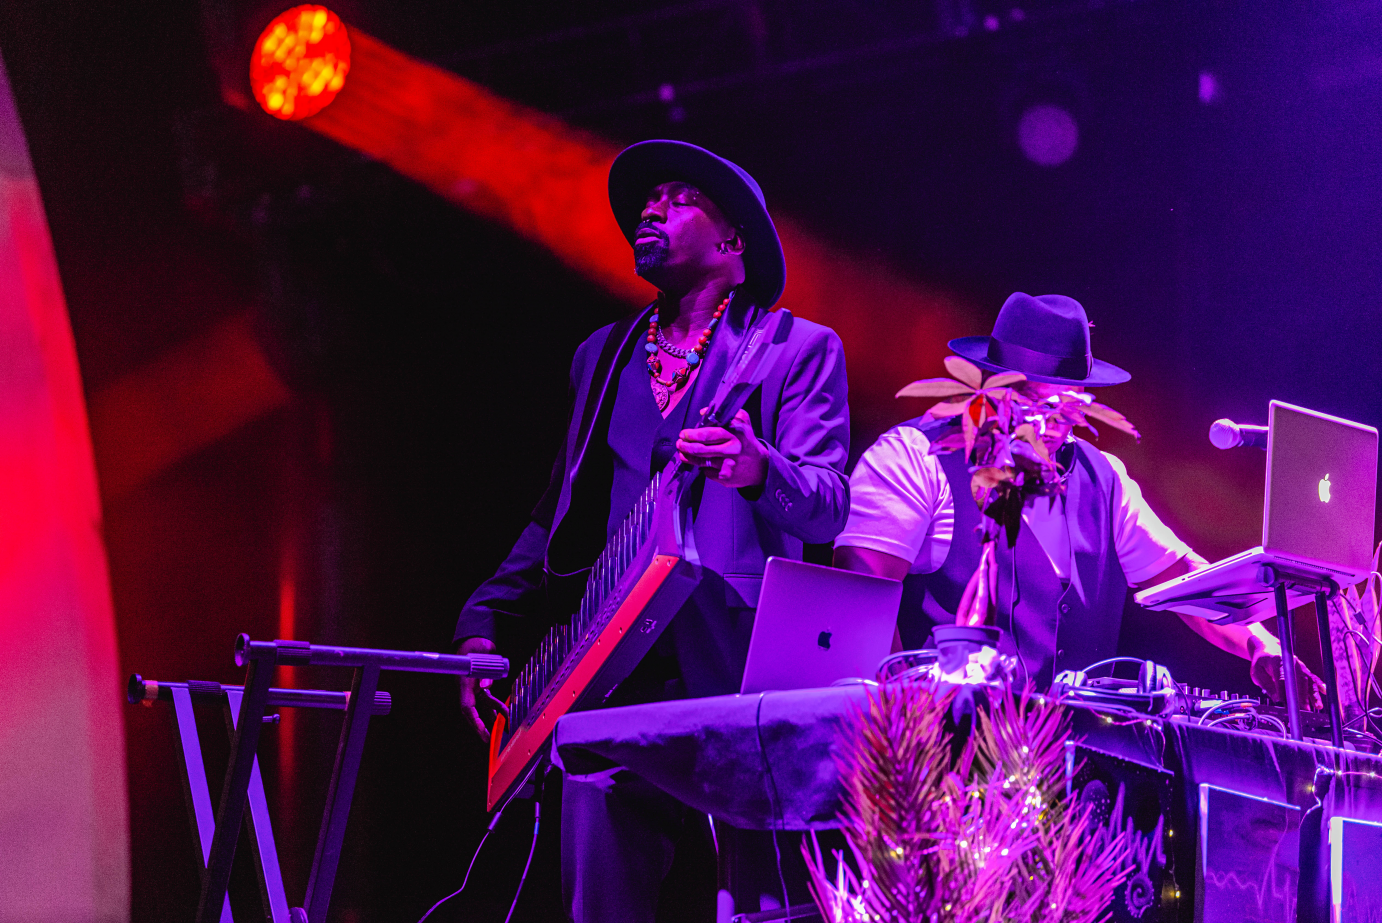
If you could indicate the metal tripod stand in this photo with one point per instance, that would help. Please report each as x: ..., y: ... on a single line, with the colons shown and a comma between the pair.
x: 247, y: 706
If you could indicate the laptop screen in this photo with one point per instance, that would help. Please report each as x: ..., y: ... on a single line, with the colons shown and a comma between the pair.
x: 816, y: 625
x: 1321, y: 488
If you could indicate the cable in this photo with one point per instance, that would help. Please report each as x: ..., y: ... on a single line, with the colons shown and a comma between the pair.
x: 1362, y: 715
x: 1365, y: 696
x: 782, y: 879
x: 925, y: 656
x: 1250, y: 722
x: 1349, y: 631
x: 1360, y: 639
x: 1114, y: 660
x: 1246, y: 716
x: 1363, y: 642
x: 1250, y: 704
x: 773, y: 801
x: 537, y: 818
x: 494, y: 822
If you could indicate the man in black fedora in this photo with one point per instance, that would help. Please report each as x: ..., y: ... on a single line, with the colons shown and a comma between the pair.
x: 1062, y: 587
x: 774, y: 479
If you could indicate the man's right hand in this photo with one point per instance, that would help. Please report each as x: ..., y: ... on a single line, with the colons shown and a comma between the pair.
x: 471, y: 686
x: 1268, y: 672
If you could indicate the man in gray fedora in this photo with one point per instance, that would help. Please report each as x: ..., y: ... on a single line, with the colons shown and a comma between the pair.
x: 1062, y: 586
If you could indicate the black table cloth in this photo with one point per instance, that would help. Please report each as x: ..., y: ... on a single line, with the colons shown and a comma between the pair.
x: 767, y: 761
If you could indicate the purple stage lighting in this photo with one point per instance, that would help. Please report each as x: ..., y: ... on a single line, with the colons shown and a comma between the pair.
x: 1048, y: 134
x: 1210, y: 91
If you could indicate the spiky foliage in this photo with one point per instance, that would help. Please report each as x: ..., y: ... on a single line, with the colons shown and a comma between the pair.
x: 1000, y: 427
x: 982, y: 835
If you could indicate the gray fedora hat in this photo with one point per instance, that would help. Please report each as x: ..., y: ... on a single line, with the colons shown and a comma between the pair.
x: 647, y: 164
x: 1046, y: 338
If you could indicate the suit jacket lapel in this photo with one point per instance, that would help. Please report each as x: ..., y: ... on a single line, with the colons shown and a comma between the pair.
x: 1085, y: 511
x: 602, y: 381
x: 598, y: 399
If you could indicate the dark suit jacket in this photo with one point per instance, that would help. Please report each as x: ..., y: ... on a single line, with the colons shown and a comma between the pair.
x: 800, y: 412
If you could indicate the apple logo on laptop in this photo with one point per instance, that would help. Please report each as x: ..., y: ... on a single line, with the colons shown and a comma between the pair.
x: 823, y: 640
x: 1324, y: 489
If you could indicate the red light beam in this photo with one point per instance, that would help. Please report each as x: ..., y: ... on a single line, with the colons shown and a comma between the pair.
x: 186, y: 399
x: 547, y: 181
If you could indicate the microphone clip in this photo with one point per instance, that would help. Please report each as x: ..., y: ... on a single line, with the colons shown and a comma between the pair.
x: 1225, y: 434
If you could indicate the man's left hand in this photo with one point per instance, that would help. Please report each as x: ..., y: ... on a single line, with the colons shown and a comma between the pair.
x: 730, y: 455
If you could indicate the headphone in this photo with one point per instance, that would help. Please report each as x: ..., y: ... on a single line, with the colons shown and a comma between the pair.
x: 1154, y: 681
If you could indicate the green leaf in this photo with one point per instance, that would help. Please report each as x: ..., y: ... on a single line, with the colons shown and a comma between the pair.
x: 951, y: 442
x: 965, y: 371
x: 1105, y: 414
x: 1004, y: 380
x: 935, y: 387
x: 986, y: 478
x: 970, y: 428
x: 947, y: 408
x: 1028, y: 434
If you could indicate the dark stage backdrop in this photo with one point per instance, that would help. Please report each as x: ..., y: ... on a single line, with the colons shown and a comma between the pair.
x: 324, y: 400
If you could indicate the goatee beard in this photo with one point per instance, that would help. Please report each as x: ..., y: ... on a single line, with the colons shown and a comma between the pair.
x: 649, y: 255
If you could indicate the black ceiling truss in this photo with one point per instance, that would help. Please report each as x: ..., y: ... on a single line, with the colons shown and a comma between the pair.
x: 667, y: 56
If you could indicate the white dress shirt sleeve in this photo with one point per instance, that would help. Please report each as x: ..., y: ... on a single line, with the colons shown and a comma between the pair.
x: 900, y: 501
x: 1146, y: 546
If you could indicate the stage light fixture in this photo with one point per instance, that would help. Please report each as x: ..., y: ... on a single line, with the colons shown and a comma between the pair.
x: 300, y: 62
x: 1211, y: 91
x: 1048, y: 134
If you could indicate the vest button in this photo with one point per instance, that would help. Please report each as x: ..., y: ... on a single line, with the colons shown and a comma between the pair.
x: 1065, y: 607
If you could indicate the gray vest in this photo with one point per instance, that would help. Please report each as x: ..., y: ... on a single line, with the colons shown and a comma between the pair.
x: 1051, y: 625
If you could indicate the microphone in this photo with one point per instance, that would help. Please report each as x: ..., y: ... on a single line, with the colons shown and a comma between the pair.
x: 1225, y: 434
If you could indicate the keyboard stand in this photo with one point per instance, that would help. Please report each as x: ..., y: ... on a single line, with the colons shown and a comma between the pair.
x: 183, y: 696
x: 243, y: 790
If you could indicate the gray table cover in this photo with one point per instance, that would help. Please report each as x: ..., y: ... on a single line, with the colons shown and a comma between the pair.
x: 764, y: 760
x: 756, y: 761
x: 768, y: 759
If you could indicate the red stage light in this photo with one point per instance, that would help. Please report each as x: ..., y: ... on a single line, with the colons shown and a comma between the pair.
x: 300, y: 62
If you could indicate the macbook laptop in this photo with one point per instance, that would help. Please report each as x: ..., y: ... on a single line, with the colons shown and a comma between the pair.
x: 816, y: 625
x: 1318, y: 520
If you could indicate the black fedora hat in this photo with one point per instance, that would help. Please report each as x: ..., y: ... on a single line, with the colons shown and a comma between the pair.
x: 647, y: 164
x: 1046, y: 338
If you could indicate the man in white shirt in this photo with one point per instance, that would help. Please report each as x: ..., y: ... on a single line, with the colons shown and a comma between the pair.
x: 1062, y: 588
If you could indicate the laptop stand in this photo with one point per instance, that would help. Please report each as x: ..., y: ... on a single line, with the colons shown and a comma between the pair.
x: 217, y: 832
x: 1323, y: 587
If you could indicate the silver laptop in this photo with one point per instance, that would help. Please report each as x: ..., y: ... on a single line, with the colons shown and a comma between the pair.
x: 816, y: 625
x: 1318, y: 519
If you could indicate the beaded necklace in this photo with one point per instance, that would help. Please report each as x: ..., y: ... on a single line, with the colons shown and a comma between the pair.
x: 663, y: 390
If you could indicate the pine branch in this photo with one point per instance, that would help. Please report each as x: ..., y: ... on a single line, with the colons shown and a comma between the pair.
x: 983, y: 837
